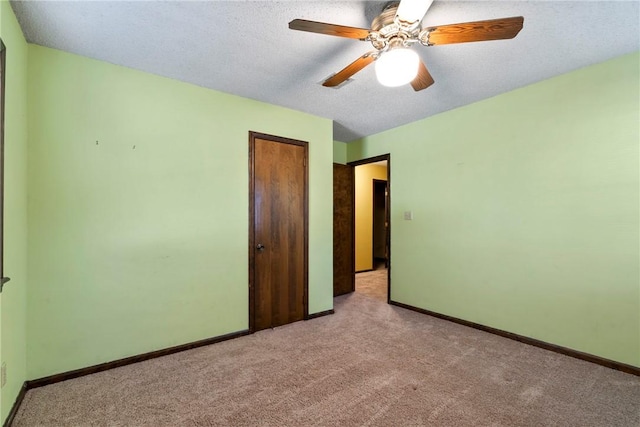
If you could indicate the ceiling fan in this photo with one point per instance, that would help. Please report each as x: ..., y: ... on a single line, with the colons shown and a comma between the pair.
x: 395, y: 30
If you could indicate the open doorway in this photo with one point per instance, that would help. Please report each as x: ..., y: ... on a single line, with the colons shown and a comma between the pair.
x: 380, y: 225
x: 372, y: 245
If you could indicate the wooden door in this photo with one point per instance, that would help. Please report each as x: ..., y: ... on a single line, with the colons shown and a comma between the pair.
x: 343, y: 229
x: 3, y: 57
x: 278, y: 231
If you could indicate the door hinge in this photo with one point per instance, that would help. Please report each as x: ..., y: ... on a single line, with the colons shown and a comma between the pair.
x: 304, y: 162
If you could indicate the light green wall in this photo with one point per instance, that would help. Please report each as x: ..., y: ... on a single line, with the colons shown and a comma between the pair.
x: 138, y: 210
x: 339, y: 152
x: 13, y: 304
x: 526, y: 210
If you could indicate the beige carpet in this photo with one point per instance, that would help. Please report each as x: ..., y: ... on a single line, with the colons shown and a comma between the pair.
x: 370, y: 364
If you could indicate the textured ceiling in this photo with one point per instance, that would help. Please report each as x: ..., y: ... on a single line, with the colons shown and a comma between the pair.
x: 245, y: 48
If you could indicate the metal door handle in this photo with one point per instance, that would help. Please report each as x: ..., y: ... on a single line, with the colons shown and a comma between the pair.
x: 260, y: 247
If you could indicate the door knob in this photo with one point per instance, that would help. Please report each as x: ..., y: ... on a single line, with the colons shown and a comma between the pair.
x: 260, y: 247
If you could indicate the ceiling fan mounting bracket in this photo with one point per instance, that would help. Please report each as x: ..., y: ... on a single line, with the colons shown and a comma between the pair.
x: 423, y: 37
x: 377, y: 40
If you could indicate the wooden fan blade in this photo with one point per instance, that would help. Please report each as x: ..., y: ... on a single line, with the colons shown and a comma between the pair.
x: 350, y: 70
x: 329, y: 29
x: 494, y: 29
x: 423, y: 80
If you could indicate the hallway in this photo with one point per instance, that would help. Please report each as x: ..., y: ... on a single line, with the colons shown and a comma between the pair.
x: 373, y: 284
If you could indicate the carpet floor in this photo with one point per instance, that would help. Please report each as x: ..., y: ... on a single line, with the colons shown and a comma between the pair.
x: 369, y: 364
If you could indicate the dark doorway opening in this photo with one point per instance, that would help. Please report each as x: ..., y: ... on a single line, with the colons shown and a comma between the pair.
x: 380, y: 225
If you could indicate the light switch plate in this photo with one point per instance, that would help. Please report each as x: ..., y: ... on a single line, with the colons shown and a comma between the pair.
x: 408, y: 215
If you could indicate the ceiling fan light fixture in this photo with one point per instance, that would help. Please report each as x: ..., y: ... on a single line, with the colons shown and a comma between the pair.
x: 397, y: 67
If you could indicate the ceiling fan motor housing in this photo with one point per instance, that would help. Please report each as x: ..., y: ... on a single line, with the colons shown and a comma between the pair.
x: 386, y: 32
x: 386, y: 17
